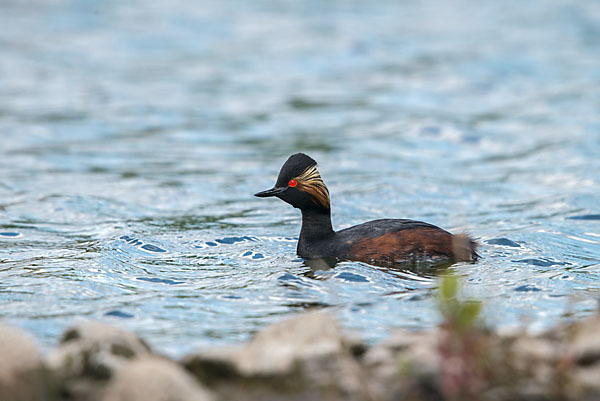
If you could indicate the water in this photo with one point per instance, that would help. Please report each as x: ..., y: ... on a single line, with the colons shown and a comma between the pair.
x: 133, y: 135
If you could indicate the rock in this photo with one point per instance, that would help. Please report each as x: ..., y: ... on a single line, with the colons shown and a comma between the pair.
x: 309, y: 358
x: 213, y: 366
x: 406, y: 364
x: 277, y: 349
x: 23, y: 374
x: 306, y: 357
x: 583, y: 351
x: 417, y: 351
x: 154, y: 379
x: 584, y: 344
x: 523, y: 367
x: 533, y: 357
x: 90, y: 354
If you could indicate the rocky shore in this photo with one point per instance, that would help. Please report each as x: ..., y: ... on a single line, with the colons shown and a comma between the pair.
x: 309, y: 358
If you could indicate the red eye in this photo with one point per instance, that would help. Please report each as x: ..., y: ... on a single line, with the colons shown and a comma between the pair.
x: 292, y: 183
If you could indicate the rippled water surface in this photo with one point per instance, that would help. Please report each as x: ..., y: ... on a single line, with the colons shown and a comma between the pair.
x: 133, y: 135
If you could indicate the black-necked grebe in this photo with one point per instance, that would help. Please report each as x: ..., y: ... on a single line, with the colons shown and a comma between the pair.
x: 380, y: 242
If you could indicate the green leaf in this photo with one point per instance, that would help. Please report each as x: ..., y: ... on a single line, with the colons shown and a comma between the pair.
x: 469, y: 311
x: 448, y: 288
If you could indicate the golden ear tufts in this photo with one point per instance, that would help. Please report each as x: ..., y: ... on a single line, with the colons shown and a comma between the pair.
x: 310, y: 181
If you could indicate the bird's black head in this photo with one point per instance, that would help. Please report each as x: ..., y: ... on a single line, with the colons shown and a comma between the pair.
x: 300, y: 184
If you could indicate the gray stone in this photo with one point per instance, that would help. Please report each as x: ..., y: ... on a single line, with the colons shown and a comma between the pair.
x: 583, y: 352
x: 154, y: 379
x: 89, y: 355
x: 306, y: 357
x: 584, y: 344
x: 23, y: 375
x: 533, y: 357
x: 214, y: 365
x: 407, y: 363
x: 277, y: 348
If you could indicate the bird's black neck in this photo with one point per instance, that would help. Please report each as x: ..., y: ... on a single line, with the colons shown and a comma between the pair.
x: 316, y: 224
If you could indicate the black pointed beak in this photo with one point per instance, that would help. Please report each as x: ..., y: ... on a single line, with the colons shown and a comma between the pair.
x: 270, y: 192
